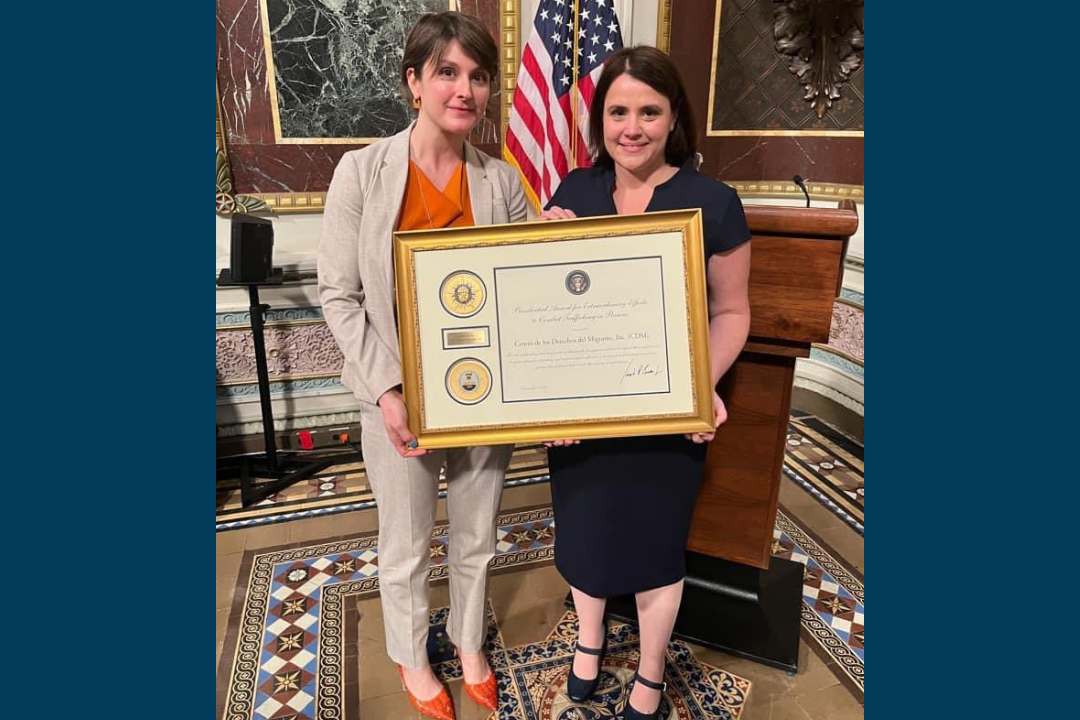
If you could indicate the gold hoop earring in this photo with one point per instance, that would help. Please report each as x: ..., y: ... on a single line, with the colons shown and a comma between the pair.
x: 416, y: 103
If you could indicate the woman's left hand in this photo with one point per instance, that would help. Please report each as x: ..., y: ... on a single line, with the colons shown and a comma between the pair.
x: 719, y: 417
x: 557, y: 213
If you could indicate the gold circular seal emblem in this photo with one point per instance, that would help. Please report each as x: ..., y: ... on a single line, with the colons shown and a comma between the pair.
x: 468, y: 381
x: 462, y: 294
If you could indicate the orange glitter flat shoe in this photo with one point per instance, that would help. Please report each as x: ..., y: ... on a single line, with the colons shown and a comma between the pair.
x: 439, y: 707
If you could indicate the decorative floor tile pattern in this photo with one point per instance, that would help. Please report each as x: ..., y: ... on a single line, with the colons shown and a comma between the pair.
x: 292, y: 614
x: 288, y: 660
x: 344, y: 488
x: 820, y: 459
x: 833, y: 605
x: 827, y: 464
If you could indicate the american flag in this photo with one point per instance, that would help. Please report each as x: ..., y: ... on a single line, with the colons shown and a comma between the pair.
x: 545, y: 107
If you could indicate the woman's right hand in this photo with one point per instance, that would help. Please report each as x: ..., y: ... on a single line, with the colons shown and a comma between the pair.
x: 396, y: 419
x: 560, y: 443
x: 557, y: 213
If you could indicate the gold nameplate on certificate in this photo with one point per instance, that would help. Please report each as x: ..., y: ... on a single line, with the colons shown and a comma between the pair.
x: 586, y: 328
x: 460, y: 338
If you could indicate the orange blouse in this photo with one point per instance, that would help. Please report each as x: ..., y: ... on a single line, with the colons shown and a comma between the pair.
x: 448, y: 208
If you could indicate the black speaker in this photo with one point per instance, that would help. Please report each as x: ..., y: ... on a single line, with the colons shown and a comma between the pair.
x: 252, y: 256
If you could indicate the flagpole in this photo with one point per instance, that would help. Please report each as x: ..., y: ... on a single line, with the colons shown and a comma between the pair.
x: 574, y: 90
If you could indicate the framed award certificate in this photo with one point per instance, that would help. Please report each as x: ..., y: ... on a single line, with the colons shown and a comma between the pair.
x: 585, y: 328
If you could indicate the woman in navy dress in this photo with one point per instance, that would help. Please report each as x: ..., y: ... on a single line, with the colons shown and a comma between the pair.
x: 623, y: 506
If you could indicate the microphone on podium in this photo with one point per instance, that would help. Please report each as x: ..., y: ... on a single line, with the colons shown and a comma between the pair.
x: 798, y: 180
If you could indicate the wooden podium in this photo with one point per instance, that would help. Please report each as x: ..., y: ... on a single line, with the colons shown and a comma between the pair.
x: 737, y: 597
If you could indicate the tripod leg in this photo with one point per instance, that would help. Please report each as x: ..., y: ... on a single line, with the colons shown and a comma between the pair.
x: 257, y: 310
x: 246, y: 494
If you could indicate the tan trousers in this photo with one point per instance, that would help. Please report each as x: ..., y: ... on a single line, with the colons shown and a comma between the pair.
x: 406, y: 491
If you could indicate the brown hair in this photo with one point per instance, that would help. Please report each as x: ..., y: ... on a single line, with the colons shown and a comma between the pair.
x: 656, y: 70
x: 433, y: 32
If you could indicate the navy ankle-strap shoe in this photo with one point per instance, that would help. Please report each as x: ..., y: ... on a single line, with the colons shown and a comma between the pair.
x: 629, y: 713
x: 581, y: 690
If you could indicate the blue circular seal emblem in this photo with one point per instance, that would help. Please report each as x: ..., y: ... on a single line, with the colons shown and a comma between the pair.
x: 577, y: 282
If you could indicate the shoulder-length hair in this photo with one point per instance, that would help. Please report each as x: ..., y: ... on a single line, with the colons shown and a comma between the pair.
x: 655, y: 69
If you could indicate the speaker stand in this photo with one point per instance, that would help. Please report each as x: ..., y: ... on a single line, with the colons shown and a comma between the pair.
x: 738, y: 609
x: 280, y: 471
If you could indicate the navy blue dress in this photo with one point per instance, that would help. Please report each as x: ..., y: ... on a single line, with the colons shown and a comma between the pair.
x: 623, y: 506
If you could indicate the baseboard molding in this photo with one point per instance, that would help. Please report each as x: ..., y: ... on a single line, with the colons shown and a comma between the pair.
x: 290, y: 413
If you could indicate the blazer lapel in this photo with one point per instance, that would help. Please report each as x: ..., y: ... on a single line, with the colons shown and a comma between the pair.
x: 392, y: 177
x: 479, y: 187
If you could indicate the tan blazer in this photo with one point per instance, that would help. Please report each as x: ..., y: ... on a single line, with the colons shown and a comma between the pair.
x: 355, y: 259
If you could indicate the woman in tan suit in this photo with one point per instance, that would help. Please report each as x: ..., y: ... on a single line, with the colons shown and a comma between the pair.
x: 427, y: 176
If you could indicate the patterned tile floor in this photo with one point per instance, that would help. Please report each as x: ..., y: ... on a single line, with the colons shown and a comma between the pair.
x: 289, y: 656
x: 821, y: 459
x: 299, y: 624
x: 827, y: 464
x: 344, y: 488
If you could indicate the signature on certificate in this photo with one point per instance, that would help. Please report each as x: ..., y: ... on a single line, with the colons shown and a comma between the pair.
x: 635, y: 369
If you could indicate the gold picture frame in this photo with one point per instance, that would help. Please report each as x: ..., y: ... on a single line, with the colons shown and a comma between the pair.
x: 585, y: 328
x: 260, y: 171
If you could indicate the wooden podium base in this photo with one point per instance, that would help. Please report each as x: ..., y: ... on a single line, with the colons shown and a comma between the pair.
x: 735, y: 608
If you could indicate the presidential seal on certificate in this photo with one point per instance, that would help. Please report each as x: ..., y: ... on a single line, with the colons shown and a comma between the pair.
x: 585, y: 328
